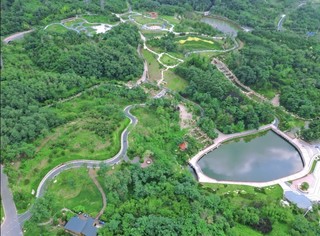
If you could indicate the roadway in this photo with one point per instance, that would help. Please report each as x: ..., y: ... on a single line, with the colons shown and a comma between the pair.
x: 10, y: 225
x: 73, y: 164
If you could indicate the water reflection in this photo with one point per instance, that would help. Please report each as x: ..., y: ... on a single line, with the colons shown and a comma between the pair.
x: 221, y: 25
x: 264, y: 158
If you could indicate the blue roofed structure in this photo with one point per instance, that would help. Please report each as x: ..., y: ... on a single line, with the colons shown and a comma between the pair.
x: 82, y: 226
x: 300, y: 200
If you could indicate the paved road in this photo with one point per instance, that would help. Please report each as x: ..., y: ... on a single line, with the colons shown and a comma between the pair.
x: 10, y: 226
x: 88, y: 163
x: 16, y: 36
x: 281, y: 22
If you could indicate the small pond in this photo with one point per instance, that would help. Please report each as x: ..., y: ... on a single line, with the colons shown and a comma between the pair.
x: 261, y: 159
x: 222, y: 25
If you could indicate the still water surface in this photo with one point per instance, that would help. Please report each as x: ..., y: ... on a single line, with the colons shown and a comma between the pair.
x: 264, y: 158
x: 222, y: 25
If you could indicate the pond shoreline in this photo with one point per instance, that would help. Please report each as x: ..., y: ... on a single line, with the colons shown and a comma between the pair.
x: 303, y: 150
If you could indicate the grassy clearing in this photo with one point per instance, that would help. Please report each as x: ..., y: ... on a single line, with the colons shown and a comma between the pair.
x: 57, y: 28
x: 171, y: 19
x: 152, y: 33
x: 74, y: 188
x: 73, y: 22
x: 246, y: 193
x: 153, y: 66
x: 243, y: 230
x: 145, y: 20
x: 174, y: 82
x: 167, y: 60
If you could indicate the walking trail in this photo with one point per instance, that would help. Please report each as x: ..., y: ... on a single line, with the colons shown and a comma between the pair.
x: 93, y: 175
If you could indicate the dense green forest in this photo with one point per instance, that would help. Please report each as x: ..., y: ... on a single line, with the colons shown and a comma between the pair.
x: 170, y: 7
x: 164, y: 199
x: 255, y: 14
x: 224, y: 105
x: 49, y: 66
x: 21, y: 15
x: 283, y: 63
x: 63, y: 95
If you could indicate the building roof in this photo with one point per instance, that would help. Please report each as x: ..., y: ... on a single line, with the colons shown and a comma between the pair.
x: 300, y: 200
x: 82, y: 225
x: 183, y: 146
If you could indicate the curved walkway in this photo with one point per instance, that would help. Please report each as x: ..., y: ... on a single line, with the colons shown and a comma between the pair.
x: 16, y: 36
x: 304, y: 151
x: 88, y: 163
x: 92, y: 175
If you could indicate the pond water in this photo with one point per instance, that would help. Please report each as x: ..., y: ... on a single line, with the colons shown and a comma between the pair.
x: 261, y: 159
x: 222, y: 25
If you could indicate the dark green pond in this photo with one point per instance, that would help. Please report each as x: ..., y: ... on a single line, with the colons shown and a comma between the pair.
x: 264, y: 158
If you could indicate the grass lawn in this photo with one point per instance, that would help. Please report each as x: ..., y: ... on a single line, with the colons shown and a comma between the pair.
x: 100, y: 19
x: 152, y: 33
x: 74, y: 188
x: 57, y: 28
x: 191, y: 43
x: 1, y: 212
x: 172, y: 19
x: 153, y: 66
x: 174, y: 82
x: 243, y: 230
x: 167, y: 60
x: 73, y: 22
x: 145, y: 20
x: 246, y: 193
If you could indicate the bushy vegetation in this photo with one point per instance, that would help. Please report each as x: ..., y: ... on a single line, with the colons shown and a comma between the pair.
x: 49, y: 66
x: 313, y: 131
x: 225, y: 107
x: 252, y: 13
x: 281, y: 62
x: 172, y: 6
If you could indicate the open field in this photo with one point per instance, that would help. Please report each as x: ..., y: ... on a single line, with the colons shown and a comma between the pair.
x: 241, y: 194
x: 57, y: 28
x: 145, y: 20
x: 167, y: 60
x: 171, y: 19
x: 73, y: 188
x: 174, y: 82
x: 153, y: 66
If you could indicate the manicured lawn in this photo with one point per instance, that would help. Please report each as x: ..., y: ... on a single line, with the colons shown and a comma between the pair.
x: 172, y: 19
x: 153, y: 66
x: 74, y: 188
x: 145, y: 20
x: 57, y: 28
x: 174, y: 82
x: 167, y: 60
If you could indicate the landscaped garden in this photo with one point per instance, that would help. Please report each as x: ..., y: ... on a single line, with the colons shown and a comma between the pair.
x: 192, y: 43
